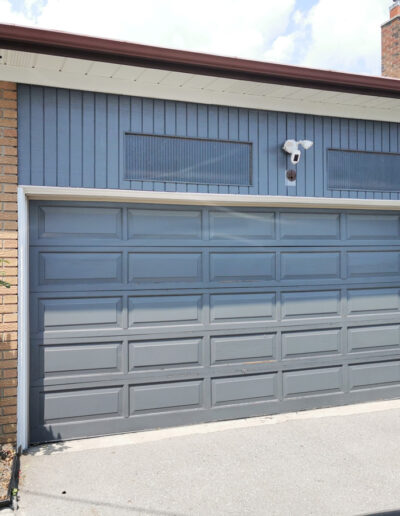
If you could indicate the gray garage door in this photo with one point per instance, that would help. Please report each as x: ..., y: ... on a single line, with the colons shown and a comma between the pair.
x: 146, y: 316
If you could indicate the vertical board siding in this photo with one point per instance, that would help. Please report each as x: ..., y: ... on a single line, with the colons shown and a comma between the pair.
x: 75, y: 138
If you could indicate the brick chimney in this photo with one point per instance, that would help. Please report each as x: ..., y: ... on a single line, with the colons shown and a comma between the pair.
x: 391, y: 43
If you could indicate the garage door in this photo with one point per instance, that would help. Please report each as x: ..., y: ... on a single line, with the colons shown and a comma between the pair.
x: 146, y: 316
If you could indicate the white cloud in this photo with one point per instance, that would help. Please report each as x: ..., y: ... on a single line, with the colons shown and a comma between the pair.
x: 230, y: 27
x: 342, y: 35
x: 8, y: 15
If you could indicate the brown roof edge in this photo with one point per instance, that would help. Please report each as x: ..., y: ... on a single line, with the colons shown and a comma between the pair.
x: 28, y: 39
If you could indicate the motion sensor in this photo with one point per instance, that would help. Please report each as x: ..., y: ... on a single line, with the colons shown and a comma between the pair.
x: 292, y: 148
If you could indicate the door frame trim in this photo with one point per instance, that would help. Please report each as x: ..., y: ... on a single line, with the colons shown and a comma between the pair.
x: 27, y: 193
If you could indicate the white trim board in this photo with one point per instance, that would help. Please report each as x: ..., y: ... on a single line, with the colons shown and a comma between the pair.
x: 204, y: 199
x: 25, y: 193
x: 318, y: 102
x: 23, y: 321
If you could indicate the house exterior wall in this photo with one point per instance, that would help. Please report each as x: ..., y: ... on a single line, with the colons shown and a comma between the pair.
x: 8, y: 252
x: 75, y: 139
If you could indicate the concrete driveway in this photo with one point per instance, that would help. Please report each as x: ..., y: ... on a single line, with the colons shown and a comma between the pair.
x: 342, y: 461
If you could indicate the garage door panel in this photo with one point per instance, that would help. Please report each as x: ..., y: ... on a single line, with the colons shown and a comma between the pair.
x: 312, y: 382
x: 77, y: 313
x: 164, y: 224
x: 166, y: 396
x: 77, y: 404
x: 242, y: 267
x: 371, y: 338
x: 146, y: 316
x: 241, y: 226
x: 310, y: 265
x: 372, y: 264
x: 165, y: 310
x: 309, y: 226
x: 165, y: 353
x: 79, y: 268
x: 244, y: 389
x: 374, y: 300
x: 311, y: 304
x: 366, y: 376
x: 243, y: 348
x: 158, y: 267
x: 77, y: 223
x: 57, y: 361
x: 242, y: 307
x: 311, y: 343
x: 373, y: 227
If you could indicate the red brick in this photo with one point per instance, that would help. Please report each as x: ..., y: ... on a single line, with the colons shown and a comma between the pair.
x: 390, y: 45
x: 8, y: 104
x: 7, y: 402
x: 4, y: 439
x: 7, y: 122
x: 8, y: 355
x: 10, y: 391
x: 12, y: 142
x: 9, y: 179
x: 10, y: 411
x: 9, y: 113
x: 6, y: 85
x: 11, y: 344
x: 9, y: 429
x: 10, y: 225
x: 9, y: 373
x: 9, y: 95
x: 8, y: 160
x: 9, y: 150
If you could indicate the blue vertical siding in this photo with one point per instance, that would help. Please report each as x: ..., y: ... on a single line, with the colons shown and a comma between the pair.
x: 75, y: 138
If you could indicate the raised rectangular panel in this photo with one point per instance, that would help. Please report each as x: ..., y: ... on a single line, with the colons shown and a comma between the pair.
x: 241, y: 226
x: 373, y: 263
x: 374, y: 337
x: 81, y: 403
x: 172, y: 309
x: 78, y: 267
x: 163, y: 353
x: 310, y: 343
x: 74, y: 359
x: 254, y: 388
x: 312, y: 382
x: 297, y: 265
x: 228, y: 307
x: 162, y: 267
x: 243, y: 348
x: 365, y: 376
x: 79, y: 313
x: 373, y: 226
x: 242, y: 266
x: 164, y: 224
x: 310, y: 304
x: 309, y: 226
x: 165, y: 396
x: 79, y: 222
x: 373, y: 300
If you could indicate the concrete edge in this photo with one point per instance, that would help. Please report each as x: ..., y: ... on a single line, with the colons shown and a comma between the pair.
x: 207, y: 428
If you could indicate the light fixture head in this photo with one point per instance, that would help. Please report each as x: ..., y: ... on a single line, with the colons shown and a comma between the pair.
x: 306, y: 144
x: 292, y: 148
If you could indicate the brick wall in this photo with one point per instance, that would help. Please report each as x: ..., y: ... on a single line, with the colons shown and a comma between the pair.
x: 391, y: 48
x: 8, y: 251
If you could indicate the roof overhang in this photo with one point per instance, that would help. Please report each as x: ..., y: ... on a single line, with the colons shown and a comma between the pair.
x: 57, y: 59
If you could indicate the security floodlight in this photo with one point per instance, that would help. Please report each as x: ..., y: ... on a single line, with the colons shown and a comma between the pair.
x: 292, y: 148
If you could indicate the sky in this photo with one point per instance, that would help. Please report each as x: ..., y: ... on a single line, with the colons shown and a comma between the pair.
x: 330, y: 34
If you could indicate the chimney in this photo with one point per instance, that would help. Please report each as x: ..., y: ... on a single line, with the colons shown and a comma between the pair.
x: 391, y: 43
